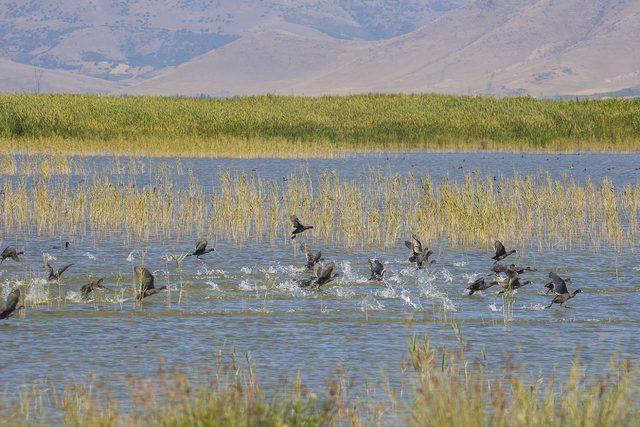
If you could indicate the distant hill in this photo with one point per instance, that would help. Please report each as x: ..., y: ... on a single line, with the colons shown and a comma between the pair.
x: 225, y: 48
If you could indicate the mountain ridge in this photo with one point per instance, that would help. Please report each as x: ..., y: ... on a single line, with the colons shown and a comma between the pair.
x: 489, y: 47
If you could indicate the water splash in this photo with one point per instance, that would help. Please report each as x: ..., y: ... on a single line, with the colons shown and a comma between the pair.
x: 369, y: 303
x: 48, y: 257
x: 91, y: 256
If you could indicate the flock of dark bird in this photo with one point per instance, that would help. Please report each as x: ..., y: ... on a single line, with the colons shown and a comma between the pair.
x: 323, y: 272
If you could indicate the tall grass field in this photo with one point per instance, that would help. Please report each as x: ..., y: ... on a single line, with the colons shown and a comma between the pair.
x: 274, y: 126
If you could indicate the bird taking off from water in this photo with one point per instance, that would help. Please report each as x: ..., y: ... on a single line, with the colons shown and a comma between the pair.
x: 501, y: 252
x: 312, y: 259
x: 324, y: 275
x: 9, y: 306
x: 201, y: 249
x: 560, y: 290
x: 377, y: 270
x: 501, y: 268
x: 53, y: 275
x: 480, y: 285
x: 298, y: 227
x: 91, y: 287
x: 513, y: 282
x: 420, y: 255
x: 10, y: 252
x: 145, y: 283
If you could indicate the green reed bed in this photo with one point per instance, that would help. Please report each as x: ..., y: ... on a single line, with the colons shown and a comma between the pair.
x: 378, y: 211
x: 276, y: 126
x: 441, y: 388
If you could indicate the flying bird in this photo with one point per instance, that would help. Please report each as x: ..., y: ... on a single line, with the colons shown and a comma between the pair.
x: 7, y: 308
x: 201, y: 249
x: 298, y: 227
x: 513, y: 282
x: 324, y: 275
x: 420, y: 255
x: 480, y: 285
x: 501, y: 268
x: 145, y: 282
x: 10, y: 252
x: 501, y: 252
x: 90, y: 287
x: 53, y: 275
x: 560, y: 290
x: 312, y: 259
x: 377, y: 270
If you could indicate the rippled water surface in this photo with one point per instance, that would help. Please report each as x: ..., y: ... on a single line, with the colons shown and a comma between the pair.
x: 246, y: 297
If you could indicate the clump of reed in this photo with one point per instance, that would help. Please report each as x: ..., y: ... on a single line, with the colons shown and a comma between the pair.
x: 377, y: 211
x: 274, y: 126
x: 444, y: 389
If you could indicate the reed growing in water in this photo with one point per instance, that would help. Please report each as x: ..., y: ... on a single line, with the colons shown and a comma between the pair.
x: 377, y: 211
x: 443, y: 388
x: 274, y: 126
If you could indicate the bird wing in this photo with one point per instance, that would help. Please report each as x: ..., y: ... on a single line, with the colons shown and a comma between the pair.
x: 559, y: 285
x: 295, y: 221
x: 499, y: 268
x: 317, y: 257
x: 326, y: 271
x: 144, y: 277
x: 201, y: 245
x: 12, y: 301
x: 63, y: 269
x: 477, y: 283
x: 417, y: 244
x: 308, y: 253
x: 6, y: 252
x: 376, y: 266
x: 500, y: 250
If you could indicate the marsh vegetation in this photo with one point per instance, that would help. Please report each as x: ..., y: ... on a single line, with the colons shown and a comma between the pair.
x: 271, y: 126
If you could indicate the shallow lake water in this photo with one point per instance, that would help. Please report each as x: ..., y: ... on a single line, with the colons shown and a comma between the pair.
x: 245, y: 297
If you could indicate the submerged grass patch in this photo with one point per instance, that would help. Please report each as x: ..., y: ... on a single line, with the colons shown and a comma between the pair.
x: 376, y: 211
x: 274, y: 126
x: 442, y: 388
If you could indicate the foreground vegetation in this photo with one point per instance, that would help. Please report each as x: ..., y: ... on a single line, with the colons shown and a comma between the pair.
x: 444, y: 389
x: 300, y: 126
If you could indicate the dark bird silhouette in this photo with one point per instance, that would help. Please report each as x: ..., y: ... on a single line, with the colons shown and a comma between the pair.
x: 513, y: 282
x: 550, y: 286
x: 10, y: 252
x: 54, y: 275
x: 312, y: 259
x: 90, y: 287
x: 377, y: 270
x: 501, y: 252
x: 201, y: 249
x: 145, y: 282
x: 480, y: 285
x: 7, y: 308
x: 562, y: 294
x: 501, y: 268
x: 420, y: 255
x: 298, y: 227
x: 324, y: 275
x: 65, y: 247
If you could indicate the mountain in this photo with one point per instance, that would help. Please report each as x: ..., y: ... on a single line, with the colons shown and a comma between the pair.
x: 20, y: 78
x: 225, y: 48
